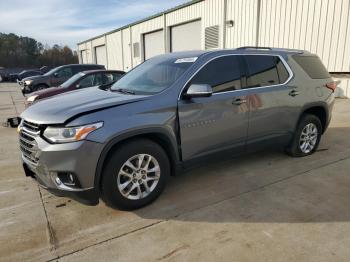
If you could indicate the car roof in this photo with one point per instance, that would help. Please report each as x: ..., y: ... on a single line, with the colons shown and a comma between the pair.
x: 240, y: 50
x: 101, y: 70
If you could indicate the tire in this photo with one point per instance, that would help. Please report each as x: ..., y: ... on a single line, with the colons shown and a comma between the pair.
x: 307, y: 136
x: 120, y: 176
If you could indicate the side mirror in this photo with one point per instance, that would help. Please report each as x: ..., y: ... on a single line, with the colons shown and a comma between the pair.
x: 55, y: 74
x: 199, y: 90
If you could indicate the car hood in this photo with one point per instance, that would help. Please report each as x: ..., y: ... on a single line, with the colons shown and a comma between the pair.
x: 59, y: 109
x: 49, y: 92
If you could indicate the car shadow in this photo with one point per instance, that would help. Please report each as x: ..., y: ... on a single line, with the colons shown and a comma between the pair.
x: 266, y: 186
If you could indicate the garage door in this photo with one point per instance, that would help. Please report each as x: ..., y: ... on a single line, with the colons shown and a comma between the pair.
x: 186, y: 37
x: 101, y: 58
x: 83, y: 57
x: 153, y: 44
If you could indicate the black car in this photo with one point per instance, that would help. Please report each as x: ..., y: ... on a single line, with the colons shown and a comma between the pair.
x: 28, y: 73
x: 54, y: 77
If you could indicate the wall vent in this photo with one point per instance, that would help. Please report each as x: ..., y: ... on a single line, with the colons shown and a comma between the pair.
x: 212, y: 37
x: 136, y: 49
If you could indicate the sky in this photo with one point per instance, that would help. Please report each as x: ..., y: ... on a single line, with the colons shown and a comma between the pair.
x: 67, y: 22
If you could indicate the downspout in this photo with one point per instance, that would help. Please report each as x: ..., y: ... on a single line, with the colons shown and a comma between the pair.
x: 131, y: 48
x: 224, y: 25
x: 106, y: 51
x: 122, y: 40
x: 258, y: 23
x: 165, y: 32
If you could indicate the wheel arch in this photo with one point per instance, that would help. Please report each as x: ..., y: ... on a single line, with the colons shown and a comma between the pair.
x: 318, y: 109
x: 157, y: 135
x: 40, y: 84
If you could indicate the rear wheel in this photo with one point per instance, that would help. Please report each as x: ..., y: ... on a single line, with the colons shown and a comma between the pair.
x: 135, y: 174
x: 307, y: 136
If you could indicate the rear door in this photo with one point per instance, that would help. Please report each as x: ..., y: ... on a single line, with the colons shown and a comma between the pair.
x: 273, y: 109
x: 219, y: 122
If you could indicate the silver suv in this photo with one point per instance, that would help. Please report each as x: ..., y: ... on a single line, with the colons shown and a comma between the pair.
x: 122, y: 143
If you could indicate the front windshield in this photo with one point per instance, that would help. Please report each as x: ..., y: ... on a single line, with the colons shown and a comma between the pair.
x: 152, y: 76
x: 71, y: 80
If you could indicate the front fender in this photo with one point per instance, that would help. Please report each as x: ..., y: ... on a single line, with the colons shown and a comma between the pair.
x: 150, y: 132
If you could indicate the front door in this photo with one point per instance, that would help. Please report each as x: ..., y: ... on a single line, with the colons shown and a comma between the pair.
x: 62, y: 76
x: 211, y: 124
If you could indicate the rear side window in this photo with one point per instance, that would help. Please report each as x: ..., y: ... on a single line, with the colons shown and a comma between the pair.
x: 313, y: 66
x: 222, y: 74
x: 264, y: 70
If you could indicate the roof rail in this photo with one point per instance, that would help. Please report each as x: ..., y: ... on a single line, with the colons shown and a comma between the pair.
x: 254, y: 47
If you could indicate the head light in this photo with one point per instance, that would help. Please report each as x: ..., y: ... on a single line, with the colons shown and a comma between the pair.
x: 28, y: 82
x: 70, y: 134
x: 32, y: 98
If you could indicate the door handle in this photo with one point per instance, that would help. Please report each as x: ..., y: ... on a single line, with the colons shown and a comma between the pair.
x: 293, y: 93
x: 239, y: 101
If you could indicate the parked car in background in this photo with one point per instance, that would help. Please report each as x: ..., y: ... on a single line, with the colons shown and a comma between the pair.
x: 9, y: 74
x: 123, y: 143
x: 78, y: 81
x: 54, y: 77
x: 28, y: 73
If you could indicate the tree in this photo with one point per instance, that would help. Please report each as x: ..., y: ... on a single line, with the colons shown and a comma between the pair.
x: 26, y: 52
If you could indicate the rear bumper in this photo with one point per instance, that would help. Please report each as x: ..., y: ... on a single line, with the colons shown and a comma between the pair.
x: 330, y: 102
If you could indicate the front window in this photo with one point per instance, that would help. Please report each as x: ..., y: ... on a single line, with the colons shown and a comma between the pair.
x: 222, y: 74
x: 91, y: 80
x: 153, y: 76
x: 52, y: 71
x: 71, y: 80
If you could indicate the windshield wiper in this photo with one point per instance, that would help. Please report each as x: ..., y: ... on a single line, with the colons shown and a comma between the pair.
x: 124, y: 91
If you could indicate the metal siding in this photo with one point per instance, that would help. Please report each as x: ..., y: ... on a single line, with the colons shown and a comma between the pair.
x: 98, y: 41
x: 126, y: 49
x: 114, y: 51
x: 145, y: 27
x: 244, y: 30
x: 322, y: 27
x: 89, y: 53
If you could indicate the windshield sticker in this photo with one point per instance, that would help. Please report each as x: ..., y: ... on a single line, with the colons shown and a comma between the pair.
x: 186, y: 60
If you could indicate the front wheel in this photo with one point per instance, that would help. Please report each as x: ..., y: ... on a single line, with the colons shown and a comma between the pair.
x: 39, y: 87
x: 307, y: 136
x: 135, y: 174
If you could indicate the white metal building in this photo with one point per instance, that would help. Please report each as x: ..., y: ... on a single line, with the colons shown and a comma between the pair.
x: 320, y: 26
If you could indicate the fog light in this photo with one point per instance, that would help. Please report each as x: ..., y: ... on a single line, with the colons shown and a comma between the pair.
x: 58, y: 181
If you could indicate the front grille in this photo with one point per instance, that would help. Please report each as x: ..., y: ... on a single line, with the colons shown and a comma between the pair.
x: 30, y: 126
x: 27, y: 143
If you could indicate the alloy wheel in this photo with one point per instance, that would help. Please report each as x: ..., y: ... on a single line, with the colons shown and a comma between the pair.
x: 138, y: 176
x: 308, y: 138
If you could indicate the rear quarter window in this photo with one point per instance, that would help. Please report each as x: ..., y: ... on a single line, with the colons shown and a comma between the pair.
x: 312, y: 65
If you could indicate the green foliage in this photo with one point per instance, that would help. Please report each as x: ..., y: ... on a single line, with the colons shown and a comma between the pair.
x: 25, y: 52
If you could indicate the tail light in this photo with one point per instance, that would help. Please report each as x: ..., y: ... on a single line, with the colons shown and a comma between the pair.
x: 332, y: 85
